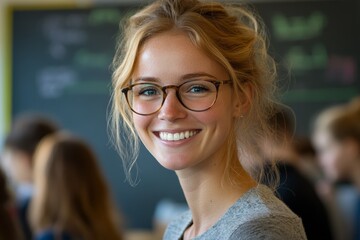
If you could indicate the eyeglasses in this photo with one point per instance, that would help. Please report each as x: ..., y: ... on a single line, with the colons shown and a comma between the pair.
x: 195, y: 95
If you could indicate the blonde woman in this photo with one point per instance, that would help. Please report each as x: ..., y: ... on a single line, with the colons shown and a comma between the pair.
x: 193, y: 81
x: 72, y: 199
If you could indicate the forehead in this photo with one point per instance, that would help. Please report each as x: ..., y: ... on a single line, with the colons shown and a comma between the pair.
x: 172, y: 55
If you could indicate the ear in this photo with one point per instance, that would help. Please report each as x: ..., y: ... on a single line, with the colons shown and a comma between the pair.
x: 242, y: 101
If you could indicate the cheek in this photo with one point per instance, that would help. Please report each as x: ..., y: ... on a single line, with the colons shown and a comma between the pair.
x: 333, y: 163
x: 218, y: 124
x: 141, y: 124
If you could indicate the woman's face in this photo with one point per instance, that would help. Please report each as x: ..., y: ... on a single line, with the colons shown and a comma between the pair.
x: 171, y: 58
x: 335, y: 156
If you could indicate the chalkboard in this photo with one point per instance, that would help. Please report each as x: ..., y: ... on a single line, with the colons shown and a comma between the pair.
x: 60, y: 67
x: 316, y: 44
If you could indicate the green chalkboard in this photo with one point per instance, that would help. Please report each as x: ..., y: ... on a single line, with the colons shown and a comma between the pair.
x: 60, y: 67
x: 316, y: 46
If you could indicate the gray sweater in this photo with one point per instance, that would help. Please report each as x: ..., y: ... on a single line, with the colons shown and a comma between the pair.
x: 258, y: 214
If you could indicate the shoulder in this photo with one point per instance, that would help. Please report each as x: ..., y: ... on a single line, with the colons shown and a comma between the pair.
x: 176, y: 227
x: 268, y: 217
x: 260, y: 202
x: 258, y: 214
x: 270, y: 228
x: 50, y: 234
x: 45, y: 235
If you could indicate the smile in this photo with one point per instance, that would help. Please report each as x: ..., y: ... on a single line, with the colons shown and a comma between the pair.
x: 177, y: 136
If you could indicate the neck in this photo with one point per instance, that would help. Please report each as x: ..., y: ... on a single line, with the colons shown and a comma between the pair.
x: 209, y: 195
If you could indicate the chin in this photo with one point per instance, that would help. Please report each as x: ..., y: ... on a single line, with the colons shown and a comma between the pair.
x: 174, y: 162
x: 171, y: 165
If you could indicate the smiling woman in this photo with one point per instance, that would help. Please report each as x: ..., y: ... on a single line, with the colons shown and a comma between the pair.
x: 193, y: 81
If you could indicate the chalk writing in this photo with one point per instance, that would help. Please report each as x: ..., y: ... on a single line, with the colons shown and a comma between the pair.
x: 298, y: 27
x: 104, y: 16
x: 85, y: 58
x: 61, y: 31
x: 300, y: 60
x: 53, y: 81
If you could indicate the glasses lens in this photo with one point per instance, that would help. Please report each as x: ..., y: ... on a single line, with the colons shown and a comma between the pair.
x: 145, y: 98
x: 198, y: 95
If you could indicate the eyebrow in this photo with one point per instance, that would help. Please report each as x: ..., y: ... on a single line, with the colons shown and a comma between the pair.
x: 183, y: 78
x: 197, y: 75
x: 145, y: 79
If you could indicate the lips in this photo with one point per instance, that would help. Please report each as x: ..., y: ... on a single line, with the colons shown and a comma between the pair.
x: 167, y: 136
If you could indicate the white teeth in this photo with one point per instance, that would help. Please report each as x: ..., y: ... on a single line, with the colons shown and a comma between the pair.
x: 176, y: 136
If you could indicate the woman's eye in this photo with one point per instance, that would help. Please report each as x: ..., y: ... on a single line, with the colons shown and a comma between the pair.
x: 197, y: 89
x: 148, y: 92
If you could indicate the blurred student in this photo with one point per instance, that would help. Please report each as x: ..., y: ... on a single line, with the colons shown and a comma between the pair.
x: 336, y: 135
x: 295, y: 189
x: 308, y: 164
x: 26, y: 132
x: 9, y: 228
x: 72, y: 199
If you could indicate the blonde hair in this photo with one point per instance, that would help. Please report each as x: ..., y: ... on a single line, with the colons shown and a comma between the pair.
x: 234, y: 37
x: 71, y: 193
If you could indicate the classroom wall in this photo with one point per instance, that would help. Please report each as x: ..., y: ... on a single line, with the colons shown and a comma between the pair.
x: 2, y: 77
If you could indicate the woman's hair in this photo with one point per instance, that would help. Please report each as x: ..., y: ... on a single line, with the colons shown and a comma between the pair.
x: 231, y: 35
x: 71, y: 193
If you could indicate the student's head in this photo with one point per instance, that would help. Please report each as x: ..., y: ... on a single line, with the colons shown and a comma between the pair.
x: 336, y: 137
x: 223, y: 52
x: 71, y: 192
x: 21, y: 142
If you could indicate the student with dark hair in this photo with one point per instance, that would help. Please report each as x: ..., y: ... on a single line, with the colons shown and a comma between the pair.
x: 20, y: 144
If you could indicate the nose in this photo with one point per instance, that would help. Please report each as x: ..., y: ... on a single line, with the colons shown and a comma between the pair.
x: 172, y: 109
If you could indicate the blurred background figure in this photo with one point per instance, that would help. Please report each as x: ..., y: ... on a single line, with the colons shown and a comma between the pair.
x: 308, y: 163
x: 72, y: 199
x: 26, y: 132
x: 9, y: 228
x: 336, y: 135
x: 295, y: 189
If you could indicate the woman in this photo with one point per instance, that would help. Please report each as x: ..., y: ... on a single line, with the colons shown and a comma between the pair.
x: 72, y: 200
x: 193, y: 81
